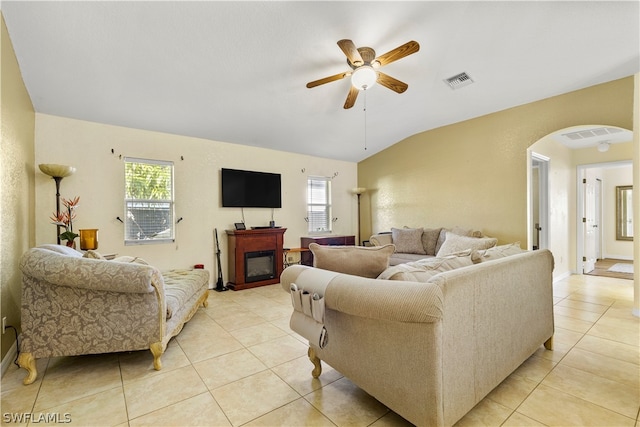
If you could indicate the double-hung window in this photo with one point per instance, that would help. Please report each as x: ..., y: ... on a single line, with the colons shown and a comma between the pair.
x: 319, y: 204
x: 149, y: 201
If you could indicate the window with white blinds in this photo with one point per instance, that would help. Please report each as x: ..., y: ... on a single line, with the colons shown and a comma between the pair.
x: 319, y: 204
x: 149, y: 201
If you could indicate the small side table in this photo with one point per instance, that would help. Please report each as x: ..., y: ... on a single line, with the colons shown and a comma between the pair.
x: 287, y: 251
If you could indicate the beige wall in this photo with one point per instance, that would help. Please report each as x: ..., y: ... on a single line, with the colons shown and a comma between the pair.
x: 99, y: 182
x: 16, y: 183
x: 473, y: 173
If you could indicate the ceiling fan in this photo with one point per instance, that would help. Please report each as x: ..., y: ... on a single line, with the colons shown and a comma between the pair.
x: 364, y: 64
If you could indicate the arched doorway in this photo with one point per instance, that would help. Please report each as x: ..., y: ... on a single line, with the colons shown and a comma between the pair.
x: 565, y: 153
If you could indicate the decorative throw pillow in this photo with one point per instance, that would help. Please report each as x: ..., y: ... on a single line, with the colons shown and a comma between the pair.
x: 454, y: 243
x: 356, y: 260
x: 408, y: 240
x: 460, y: 231
x: 423, y: 270
x: 93, y: 254
x: 430, y: 240
x: 483, y: 255
x: 130, y: 259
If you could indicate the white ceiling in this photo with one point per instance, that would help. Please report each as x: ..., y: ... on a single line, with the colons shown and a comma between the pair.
x: 236, y: 71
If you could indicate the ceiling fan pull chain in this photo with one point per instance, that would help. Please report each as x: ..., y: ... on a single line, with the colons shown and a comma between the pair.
x: 365, y: 119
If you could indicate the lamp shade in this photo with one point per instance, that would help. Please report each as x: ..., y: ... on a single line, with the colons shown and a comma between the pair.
x: 364, y: 77
x: 359, y: 190
x: 57, y: 171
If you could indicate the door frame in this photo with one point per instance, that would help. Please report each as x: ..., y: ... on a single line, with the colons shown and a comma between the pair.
x: 542, y: 162
x: 580, y: 172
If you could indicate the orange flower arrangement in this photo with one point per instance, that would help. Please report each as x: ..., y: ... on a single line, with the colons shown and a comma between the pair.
x: 65, y: 219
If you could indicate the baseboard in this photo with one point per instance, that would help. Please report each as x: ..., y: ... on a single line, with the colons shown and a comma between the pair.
x: 562, y: 277
x: 9, y: 358
x: 621, y: 257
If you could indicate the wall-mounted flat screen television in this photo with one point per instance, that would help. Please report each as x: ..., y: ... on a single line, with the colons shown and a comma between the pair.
x: 249, y: 189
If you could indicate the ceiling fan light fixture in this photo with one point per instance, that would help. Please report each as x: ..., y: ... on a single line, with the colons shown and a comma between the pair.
x: 603, y: 146
x: 364, y: 77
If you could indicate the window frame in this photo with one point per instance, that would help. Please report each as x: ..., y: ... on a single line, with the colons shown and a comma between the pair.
x: 327, y: 204
x: 170, y: 201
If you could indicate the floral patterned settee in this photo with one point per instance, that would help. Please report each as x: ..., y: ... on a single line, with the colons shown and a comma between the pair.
x: 73, y: 305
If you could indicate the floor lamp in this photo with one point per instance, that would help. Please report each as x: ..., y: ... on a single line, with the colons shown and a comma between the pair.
x: 57, y: 172
x: 359, y: 192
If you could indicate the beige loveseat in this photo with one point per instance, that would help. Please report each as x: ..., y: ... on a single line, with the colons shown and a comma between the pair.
x: 413, y: 244
x: 430, y: 351
x: 73, y: 305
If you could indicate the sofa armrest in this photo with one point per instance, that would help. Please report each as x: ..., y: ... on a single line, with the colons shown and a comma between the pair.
x: 395, y: 301
x: 92, y: 274
x: 381, y: 239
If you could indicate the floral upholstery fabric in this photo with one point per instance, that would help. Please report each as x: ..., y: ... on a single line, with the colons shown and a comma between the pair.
x: 73, y: 305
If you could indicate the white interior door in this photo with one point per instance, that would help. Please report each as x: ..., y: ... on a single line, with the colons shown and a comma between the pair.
x: 590, y: 225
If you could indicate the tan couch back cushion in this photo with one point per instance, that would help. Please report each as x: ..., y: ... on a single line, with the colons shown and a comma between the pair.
x: 430, y: 240
x: 356, y: 260
x: 408, y: 240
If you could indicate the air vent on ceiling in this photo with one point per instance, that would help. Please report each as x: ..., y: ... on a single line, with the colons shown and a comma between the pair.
x: 590, y: 133
x: 458, y: 81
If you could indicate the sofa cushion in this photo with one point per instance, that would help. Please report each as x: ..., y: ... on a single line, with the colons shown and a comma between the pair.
x: 91, y: 254
x: 180, y: 286
x: 381, y: 239
x: 455, y: 243
x: 425, y: 269
x: 430, y: 240
x: 483, y: 255
x: 460, y: 231
x: 356, y: 260
x: 408, y: 240
x: 61, y: 249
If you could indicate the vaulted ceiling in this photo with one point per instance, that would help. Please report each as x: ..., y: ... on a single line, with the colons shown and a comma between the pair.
x: 236, y: 71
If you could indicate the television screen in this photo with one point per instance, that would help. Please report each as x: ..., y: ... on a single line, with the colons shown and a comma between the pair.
x: 249, y: 189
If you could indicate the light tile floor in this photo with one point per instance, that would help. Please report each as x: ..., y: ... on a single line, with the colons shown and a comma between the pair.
x: 237, y: 363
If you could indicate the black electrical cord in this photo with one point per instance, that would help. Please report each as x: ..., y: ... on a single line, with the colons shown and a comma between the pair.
x: 15, y: 362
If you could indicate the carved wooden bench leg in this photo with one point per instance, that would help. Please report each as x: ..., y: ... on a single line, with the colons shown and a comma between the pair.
x: 205, y: 300
x: 548, y: 344
x: 317, y: 370
x: 156, y: 350
x: 26, y: 361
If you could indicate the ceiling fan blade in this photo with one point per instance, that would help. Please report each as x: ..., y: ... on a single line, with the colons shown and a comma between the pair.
x: 398, y: 53
x: 351, y: 98
x: 391, y: 83
x: 327, y: 80
x: 351, y: 51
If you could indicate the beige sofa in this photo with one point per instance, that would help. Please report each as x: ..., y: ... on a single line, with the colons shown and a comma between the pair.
x: 73, y: 305
x: 432, y: 350
x: 413, y: 244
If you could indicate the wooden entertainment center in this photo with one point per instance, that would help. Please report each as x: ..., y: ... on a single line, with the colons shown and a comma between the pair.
x: 255, y: 257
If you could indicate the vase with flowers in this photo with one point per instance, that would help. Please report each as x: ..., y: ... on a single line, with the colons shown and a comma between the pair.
x: 65, y: 219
